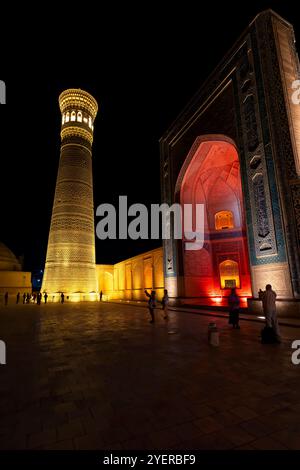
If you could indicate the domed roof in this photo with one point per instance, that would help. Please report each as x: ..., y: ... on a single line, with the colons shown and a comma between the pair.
x: 8, y: 261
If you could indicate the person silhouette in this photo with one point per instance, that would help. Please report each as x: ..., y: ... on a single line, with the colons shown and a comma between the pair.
x: 165, y: 303
x: 234, y: 308
x: 151, y: 304
x: 268, y: 298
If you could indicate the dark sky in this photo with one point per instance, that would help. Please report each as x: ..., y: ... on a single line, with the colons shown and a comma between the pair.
x: 141, y: 64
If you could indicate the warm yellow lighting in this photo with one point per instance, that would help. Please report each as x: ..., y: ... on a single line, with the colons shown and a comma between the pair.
x: 229, y: 274
x: 130, y: 277
x: 70, y: 262
x: 224, y: 220
x: 72, y: 131
x: 77, y: 98
x: 73, y: 296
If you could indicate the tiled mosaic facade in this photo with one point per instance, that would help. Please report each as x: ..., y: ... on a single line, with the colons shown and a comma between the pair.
x: 246, y: 100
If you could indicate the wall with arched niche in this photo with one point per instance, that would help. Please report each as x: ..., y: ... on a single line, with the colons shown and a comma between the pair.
x: 212, y: 177
x: 128, y: 279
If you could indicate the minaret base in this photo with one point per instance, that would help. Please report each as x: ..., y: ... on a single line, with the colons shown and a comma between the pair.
x: 73, y: 297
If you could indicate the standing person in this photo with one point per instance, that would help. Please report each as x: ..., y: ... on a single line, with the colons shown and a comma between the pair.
x: 6, y: 298
x: 268, y: 298
x: 27, y: 298
x: 18, y: 298
x: 234, y: 308
x: 165, y: 303
x: 101, y: 294
x: 151, y: 304
x: 24, y: 298
x: 45, y: 297
x: 39, y: 298
x: 62, y: 297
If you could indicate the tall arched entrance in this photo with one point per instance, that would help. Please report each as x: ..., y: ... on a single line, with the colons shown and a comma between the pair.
x: 211, y: 176
x: 245, y: 99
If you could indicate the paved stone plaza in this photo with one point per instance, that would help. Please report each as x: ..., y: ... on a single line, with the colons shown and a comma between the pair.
x: 99, y: 376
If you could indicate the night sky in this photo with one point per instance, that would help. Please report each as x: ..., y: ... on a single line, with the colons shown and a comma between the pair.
x: 142, y: 66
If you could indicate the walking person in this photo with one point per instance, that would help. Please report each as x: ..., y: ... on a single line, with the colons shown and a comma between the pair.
x: 18, y: 298
x: 62, y: 297
x: 6, y: 298
x: 45, y: 297
x: 268, y: 298
x: 101, y: 295
x: 24, y: 298
x: 234, y: 309
x: 151, y: 304
x: 165, y: 303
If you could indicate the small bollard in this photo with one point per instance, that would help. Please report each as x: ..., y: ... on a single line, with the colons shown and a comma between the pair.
x: 213, y: 334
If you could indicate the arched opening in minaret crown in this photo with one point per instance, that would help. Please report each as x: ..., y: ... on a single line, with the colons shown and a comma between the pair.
x: 211, y: 176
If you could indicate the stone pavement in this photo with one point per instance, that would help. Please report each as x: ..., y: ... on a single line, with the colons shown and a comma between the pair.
x: 219, y: 312
x: 99, y: 376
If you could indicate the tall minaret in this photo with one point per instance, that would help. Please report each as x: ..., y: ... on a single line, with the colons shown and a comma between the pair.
x: 70, y: 263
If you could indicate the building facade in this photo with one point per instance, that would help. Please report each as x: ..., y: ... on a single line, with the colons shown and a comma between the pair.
x: 236, y: 149
x: 128, y: 279
x: 12, y: 278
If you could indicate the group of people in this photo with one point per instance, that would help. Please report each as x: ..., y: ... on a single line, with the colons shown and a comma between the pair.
x: 152, y: 304
x: 28, y: 298
x: 268, y: 298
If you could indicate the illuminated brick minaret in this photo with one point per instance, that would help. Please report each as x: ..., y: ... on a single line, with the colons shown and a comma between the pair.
x: 70, y: 262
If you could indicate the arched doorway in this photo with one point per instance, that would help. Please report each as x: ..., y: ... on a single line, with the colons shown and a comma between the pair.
x: 211, y: 176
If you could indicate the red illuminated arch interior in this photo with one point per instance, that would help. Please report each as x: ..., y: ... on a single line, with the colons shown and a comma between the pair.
x: 212, y: 177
